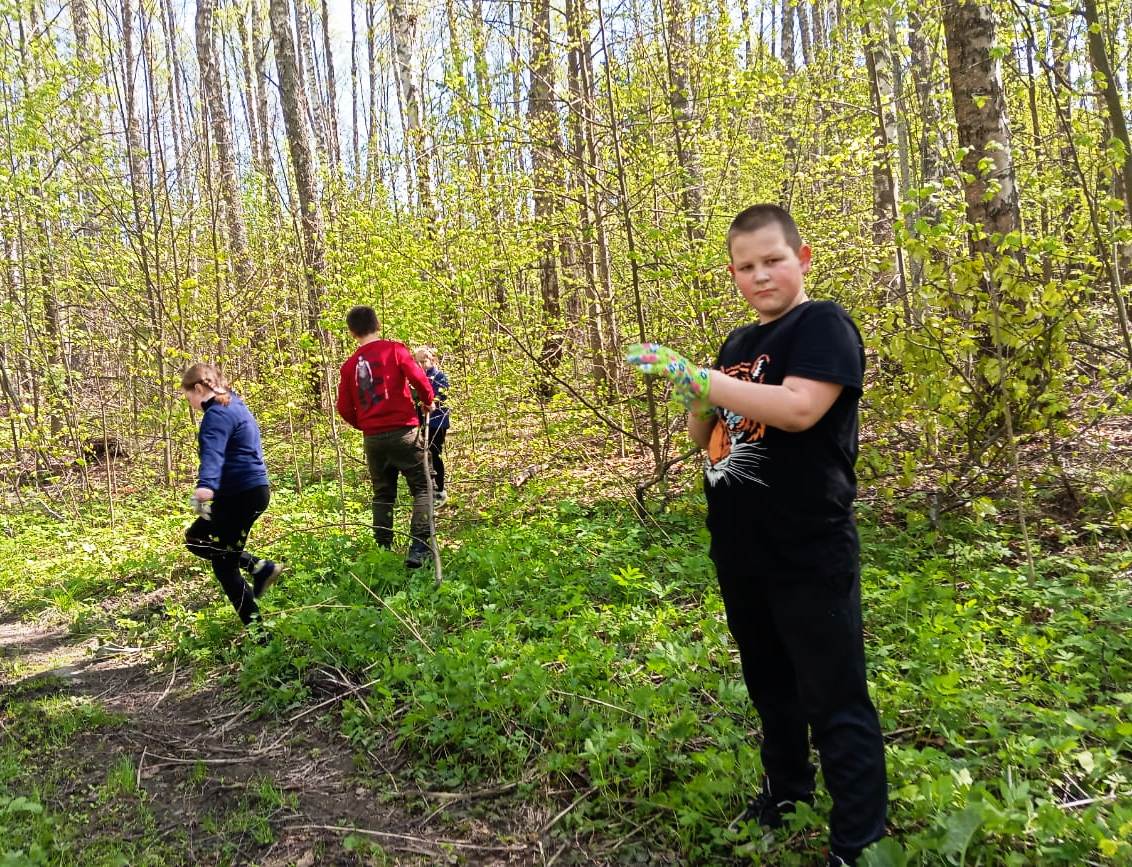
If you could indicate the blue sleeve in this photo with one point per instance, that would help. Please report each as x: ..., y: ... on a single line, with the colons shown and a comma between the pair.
x: 440, y: 386
x: 215, y: 429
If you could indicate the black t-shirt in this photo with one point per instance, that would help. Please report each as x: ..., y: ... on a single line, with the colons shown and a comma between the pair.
x: 781, y: 503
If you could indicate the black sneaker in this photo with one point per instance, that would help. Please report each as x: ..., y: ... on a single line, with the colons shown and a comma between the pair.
x: 264, y: 574
x: 765, y: 809
x: 419, y: 554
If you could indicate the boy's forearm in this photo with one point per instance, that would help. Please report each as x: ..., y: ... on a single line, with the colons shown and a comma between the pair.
x: 793, y: 406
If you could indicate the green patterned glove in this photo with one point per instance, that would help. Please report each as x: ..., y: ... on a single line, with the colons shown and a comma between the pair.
x: 689, y: 382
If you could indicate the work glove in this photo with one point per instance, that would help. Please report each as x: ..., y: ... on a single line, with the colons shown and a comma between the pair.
x: 203, y: 508
x: 690, y: 383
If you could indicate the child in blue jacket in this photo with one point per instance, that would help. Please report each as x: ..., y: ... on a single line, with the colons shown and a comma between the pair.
x: 438, y: 421
x: 232, y: 489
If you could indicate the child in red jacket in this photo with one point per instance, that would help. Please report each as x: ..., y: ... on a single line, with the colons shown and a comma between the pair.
x: 373, y: 396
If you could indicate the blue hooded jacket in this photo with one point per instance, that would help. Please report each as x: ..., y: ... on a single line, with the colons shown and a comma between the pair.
x: 438, y: 419
x: 231, y: 454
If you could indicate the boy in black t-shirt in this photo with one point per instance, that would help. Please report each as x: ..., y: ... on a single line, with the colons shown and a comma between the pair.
x: 777, y: 415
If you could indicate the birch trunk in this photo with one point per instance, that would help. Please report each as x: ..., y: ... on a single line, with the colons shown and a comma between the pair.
x: 292, y: 93
x: 212, y: 99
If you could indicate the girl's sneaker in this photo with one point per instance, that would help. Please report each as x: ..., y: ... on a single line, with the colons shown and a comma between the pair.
x: 440, y: 498
x: 264, y: 574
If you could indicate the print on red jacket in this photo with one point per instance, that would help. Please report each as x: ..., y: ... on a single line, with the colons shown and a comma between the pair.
x: 373, y: 390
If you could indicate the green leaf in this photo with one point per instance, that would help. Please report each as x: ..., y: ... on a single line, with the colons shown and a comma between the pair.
x: 884, y: 853
x: 961, y: 827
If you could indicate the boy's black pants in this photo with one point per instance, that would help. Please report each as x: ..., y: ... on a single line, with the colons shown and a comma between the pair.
x: 222, y: 539
x: 802, y: 649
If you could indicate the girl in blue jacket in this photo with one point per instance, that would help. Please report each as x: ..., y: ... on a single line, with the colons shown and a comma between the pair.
x: 232, y: 488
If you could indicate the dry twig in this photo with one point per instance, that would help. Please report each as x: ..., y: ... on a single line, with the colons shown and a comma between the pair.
x: 389, y: 608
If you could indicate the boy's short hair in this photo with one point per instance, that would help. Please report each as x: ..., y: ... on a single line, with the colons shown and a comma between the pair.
x: 362, y: 321
x: 757, y: 216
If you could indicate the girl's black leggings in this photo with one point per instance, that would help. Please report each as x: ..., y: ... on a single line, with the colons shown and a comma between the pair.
x: 222, y: 539
x: 435, y: 446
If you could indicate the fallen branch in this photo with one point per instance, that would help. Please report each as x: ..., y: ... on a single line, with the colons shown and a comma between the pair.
x: 596, y: 701
x: 331, y: 700
x: 391, y: 611
x: 173, y: 760
x: 468, y: 796
x: 440, y: 841
x: 169, y: 686
x: 217, y: 718
x: 635, y: 830
x: 1084, y: 802
x: 546, y: 828
x: 141, y: 764
x: 235, y: 760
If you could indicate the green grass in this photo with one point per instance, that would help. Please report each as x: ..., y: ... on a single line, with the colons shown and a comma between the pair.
x: 40, y: 823
x: 571, y: 645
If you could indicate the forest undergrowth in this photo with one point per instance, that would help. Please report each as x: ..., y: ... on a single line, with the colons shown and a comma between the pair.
x: 576, y: 658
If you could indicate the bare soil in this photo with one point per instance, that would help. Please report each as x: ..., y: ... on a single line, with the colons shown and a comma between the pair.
x: 201, y: 755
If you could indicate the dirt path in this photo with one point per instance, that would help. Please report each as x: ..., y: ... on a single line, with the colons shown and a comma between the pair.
x: 219, y: 787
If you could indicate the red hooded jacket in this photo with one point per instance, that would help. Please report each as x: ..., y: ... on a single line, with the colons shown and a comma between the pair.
x: 373, y: 389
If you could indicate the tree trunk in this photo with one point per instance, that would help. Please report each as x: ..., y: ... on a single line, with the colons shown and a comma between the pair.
x: 923, y: 76
x: 884, y: 186
x: 980, y: 112
x: 261, y: 43
x: 631, y: 247
x: 464, y: 105
x: 1106, y: 80
x: 403, y: 21
x: 140, y: 195
x: 679, y: 58
x: 745, y: 29
x: 356, y: 150
x: 373, y: 163
x: 247, y: 67
x: 577, y: 28
x: 308, y: 74
x: 992, y: 206
x: 212, y: 98
x: 331, y: 93
x: 802, y: 13
x: 545, y: 148
x: 176, y: 98
x: 292, y: 93
x: 984, y: 135
x: 788, y: 36
x: 922, y: 69
x: 821, y: 34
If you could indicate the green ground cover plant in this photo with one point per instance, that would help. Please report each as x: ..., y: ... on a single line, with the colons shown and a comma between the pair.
x: 574, y: 648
